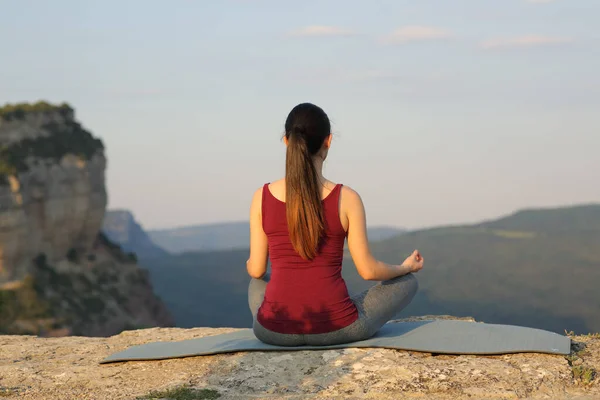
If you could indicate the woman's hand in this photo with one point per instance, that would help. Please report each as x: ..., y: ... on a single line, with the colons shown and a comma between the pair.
x: 414, y: 262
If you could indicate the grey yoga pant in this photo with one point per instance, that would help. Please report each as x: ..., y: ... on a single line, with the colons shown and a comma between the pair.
x: 376, y: 306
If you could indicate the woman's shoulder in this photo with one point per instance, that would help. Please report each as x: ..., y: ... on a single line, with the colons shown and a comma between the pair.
x: 348, y: 192
x: 350, y: 201
x: 272, y: 187
x: 280, y: 183
x: 272, y: 184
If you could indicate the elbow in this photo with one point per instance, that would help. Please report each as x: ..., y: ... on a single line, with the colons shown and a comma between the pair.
x: 366, y: 267
x: 369, y: 277
x: 254, y: 275
x: 367, y: 274
x: 249, y: 269
x: 253, y: 272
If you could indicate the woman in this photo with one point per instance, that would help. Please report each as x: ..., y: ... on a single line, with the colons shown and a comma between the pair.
x: 301, y: 223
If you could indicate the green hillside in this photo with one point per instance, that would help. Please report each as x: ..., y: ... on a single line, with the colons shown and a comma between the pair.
x: 564, y: 219
x: 538, y: 268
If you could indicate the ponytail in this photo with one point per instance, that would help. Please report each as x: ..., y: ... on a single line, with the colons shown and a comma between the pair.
x: 304, y: 208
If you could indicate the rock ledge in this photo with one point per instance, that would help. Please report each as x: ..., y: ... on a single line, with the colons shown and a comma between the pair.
x: 67, y: 368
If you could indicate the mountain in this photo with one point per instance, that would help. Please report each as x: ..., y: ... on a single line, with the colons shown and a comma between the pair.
x: 227, y: 236
x: 562, y: 219
x: 121, y: 227
x: 376, y: 233
x: 537, y: 268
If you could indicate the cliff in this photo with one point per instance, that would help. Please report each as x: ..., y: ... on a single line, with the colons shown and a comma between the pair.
x: 52, y: 193
x: 67, y: 368
x: 121, y: 227
x: 57, y: 274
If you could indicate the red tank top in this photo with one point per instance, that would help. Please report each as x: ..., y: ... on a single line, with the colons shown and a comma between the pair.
x: 305, y: 296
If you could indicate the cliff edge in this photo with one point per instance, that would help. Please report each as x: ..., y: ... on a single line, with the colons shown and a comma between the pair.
x: 67, y: 368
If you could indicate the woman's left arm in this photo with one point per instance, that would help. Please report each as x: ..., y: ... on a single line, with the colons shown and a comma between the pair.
x: 259, y: 252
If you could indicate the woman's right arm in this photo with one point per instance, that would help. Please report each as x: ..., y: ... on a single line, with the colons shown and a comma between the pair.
x: 368, y: 267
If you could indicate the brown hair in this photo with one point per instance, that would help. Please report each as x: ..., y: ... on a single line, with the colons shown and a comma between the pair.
x: 306, y: 128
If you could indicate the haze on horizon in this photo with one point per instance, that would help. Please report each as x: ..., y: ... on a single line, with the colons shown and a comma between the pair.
x: 442, y: 113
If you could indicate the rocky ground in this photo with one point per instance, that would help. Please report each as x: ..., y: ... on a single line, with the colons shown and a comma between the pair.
x: 67, y: 368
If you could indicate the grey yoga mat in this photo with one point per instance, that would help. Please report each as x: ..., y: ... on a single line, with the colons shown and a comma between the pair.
x: 438, y: 336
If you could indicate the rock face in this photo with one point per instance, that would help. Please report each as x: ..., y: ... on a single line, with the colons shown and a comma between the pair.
x: 52, y: 192
x: 121, y: 227
x: 58, y: 274
x: 67, y: 368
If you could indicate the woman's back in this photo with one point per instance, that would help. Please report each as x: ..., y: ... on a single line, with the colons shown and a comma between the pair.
x: 304, y: 296
x: 301, y: 223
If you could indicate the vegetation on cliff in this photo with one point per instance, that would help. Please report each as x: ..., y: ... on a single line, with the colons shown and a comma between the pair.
x: 34, y: 307
x: 22, y: 306
x: 93, y: 297
x: 61, y: 138
x: 11, y: 112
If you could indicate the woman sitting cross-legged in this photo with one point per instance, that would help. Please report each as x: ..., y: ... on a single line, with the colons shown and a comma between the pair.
x: 301, y: 223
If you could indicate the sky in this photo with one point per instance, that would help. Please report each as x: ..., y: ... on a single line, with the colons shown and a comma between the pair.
x: 442, y: 111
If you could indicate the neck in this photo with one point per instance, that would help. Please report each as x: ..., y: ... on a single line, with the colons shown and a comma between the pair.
x: 318, y: 161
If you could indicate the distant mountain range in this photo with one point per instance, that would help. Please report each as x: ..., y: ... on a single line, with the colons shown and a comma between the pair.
x: 228, y: 236
x: 538, y: 268
x: 121, y: 227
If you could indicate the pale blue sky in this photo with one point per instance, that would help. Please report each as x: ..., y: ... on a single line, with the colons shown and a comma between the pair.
x: 444, y: 111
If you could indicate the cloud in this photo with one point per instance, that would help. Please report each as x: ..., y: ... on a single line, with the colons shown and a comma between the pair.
x: 524, y: 41
x: 320, y: 31
x: 414, y: 33
x: 539, y: 1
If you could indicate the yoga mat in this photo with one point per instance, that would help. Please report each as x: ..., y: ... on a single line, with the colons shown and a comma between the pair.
x: 437, y: 336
